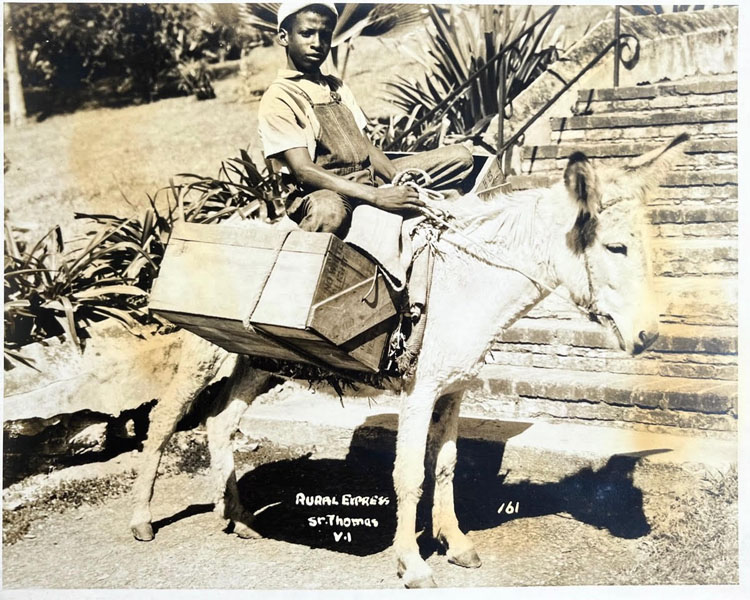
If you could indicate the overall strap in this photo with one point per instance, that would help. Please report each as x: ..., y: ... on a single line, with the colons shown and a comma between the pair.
x: 333, y: 85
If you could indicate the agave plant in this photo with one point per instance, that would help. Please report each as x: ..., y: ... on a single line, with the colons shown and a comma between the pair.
x: 133, y: 247
x: 240, y: 190
x: 458, y: 93
x: 53, y: 291
x: 354, y: 20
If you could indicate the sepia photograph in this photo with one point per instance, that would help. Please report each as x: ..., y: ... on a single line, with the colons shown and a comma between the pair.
x: 315, y: 298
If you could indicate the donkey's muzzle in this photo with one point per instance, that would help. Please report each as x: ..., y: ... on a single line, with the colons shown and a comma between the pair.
x: 645, y: 339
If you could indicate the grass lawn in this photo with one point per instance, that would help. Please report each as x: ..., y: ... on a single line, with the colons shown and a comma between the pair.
x: 91, y: 160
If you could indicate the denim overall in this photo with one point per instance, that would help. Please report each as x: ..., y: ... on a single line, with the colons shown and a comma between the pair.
x: 343, y: 149
x: 340, y: 148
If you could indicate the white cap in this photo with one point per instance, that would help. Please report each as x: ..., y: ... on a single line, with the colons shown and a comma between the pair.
x: 294, y: 6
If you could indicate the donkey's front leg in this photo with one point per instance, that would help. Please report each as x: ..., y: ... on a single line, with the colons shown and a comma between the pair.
x: 199, y: 363
x: 408, y: 476
x: 460, y: 549
x: 242, y: 388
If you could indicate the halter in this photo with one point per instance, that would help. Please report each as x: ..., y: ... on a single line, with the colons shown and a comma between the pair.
x: 490, y: 257
x: 589, y: 306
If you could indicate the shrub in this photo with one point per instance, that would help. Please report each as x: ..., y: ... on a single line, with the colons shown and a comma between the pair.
x: 52, y: 291
x: 458, y: 47
x: 110, y: 53
x: 240, y: 190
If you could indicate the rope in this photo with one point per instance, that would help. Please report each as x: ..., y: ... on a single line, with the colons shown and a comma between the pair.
x: 431, y: 195
x: 246, y: 322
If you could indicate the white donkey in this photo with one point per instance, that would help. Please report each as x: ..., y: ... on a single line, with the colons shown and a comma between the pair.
x: 587, y: 233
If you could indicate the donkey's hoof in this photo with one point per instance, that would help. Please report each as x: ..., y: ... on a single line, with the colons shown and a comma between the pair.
x: 416, y: 583
x: 143, y: 532
x: 419, y: 576
x: 245, y: 531
x: 468, y: 558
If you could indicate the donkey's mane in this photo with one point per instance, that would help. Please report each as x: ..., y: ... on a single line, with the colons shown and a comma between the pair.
x: 503, y: 222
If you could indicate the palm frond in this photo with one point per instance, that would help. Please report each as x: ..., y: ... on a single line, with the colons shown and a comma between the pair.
x: 459, y: 43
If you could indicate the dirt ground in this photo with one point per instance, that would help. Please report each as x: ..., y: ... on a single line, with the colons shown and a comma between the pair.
x: 592, y: 528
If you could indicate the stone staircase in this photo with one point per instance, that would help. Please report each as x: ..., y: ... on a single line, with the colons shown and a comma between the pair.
x: 554, y: 362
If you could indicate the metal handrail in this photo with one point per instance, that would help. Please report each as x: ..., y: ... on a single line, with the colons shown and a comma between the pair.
x: 617, y: 43
x: 445, y: 105
x: 504, y: 55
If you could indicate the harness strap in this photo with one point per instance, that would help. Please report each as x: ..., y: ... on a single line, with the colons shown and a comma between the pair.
x: 430, y: 195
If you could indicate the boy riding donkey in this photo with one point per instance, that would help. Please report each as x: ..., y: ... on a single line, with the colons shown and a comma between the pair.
x: 312, y: 128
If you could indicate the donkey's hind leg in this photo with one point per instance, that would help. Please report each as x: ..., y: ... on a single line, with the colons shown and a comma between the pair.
x: 199, y: 363
x: 243, y: 387
x: 460, y: 549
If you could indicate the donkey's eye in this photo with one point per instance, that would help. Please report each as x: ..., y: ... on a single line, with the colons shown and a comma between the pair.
x: 617, y: 248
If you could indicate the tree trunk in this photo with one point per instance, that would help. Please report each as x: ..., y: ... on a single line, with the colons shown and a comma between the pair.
x: 16, y: 103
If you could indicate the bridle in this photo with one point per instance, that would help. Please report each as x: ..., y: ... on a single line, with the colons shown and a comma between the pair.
x: 490, y: 257
x: 589, y: 305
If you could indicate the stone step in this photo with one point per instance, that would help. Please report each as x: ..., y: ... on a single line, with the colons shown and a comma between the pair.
x: 640, y: 119
x: 718, y: 153
x: 694, y: 366
x: 726, y: 213
x: 655, y: 133
x: 701, y: 85
x: 687, y: 181
x: 624, y: 148
x: 699, y: 300
x: 677, y: 257
x: 700, y: 92
x: 614, y: 389
x: 689, y: 222
x: 668, y: 102
x: 580, y: 332
x: 703, y: 352
x: 708, y: 189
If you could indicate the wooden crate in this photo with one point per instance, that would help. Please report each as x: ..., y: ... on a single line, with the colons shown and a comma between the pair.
x: 311, y: 304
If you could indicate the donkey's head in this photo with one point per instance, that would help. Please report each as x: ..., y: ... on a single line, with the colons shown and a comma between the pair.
x: 608, y: 241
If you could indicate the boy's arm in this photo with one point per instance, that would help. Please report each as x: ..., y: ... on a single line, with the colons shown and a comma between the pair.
x: 381, y: 163
x: 308, y: 174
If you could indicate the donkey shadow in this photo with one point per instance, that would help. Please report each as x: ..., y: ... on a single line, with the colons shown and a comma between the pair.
x: 283, y: 494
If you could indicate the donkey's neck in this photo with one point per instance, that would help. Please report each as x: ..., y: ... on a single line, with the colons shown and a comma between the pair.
x: 476, y: 295
x: 524, y: 231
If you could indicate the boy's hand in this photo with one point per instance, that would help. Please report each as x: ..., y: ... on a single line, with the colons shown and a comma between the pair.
x: 396, y: 198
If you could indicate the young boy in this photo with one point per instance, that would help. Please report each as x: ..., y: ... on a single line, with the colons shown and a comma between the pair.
x: 312, y: 128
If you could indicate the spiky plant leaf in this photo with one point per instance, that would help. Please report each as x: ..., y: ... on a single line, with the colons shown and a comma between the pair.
x: 456, y: 48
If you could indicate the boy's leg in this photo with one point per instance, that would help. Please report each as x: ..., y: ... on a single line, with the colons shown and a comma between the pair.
x: 321, y: 211
x: 448, y: 166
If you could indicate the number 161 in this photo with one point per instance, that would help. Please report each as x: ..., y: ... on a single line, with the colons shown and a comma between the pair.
x: 509, y: 508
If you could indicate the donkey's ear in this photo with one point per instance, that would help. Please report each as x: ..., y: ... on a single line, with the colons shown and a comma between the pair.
x: 650, y: 169
x: 582, y: 183
x: 660, y: 159
x: 583, y: 186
